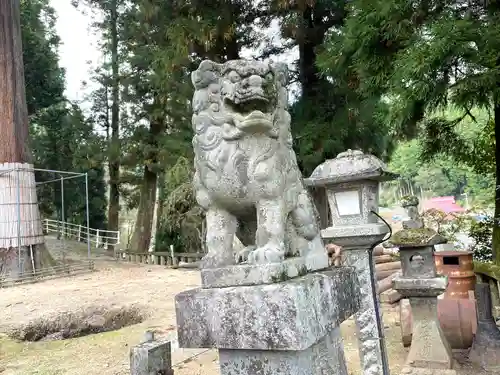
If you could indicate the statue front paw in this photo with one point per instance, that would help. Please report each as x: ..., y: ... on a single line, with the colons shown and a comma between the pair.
x: 242, y: 255
x: 267, y: 254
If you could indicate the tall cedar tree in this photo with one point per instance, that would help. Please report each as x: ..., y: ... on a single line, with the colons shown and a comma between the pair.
x: 61, y: 138
x: 329, y: 115
x: 165, y: 40
x: 109, y: 28
x: 426, y: 57
x: 14, y: 146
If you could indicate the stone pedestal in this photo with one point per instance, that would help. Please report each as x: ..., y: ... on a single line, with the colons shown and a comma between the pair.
x: 351, y: 182
x: 356, y: 242
x: 284, y: 328
x: 485, y: 350
x: 151, y: 357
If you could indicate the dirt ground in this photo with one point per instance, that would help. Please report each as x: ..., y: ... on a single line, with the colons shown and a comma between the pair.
x: 120, y: 284
x: 152, y: 288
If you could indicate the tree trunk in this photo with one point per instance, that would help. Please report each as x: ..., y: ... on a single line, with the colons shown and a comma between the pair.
x: 496, y: 226
x: 154, y: 224
x: 22, y: 248
x: 114, y: 154
x: 144, y: 222
x: 162, y: 196
x: 311, y: 38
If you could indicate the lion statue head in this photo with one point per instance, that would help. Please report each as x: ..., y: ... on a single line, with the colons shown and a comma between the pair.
x: 243, y: 97
x: 236, y: 105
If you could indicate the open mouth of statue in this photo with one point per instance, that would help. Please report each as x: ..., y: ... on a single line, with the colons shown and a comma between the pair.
x: 251, y: 114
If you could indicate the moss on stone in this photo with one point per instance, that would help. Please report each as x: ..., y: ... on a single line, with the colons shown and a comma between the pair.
x: 488, y: 269
x: 415, y: 237
x: 302, y: 271
x: 409, y: 200
x: 281, y: 277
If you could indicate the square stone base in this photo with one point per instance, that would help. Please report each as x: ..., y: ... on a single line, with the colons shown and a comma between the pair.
x: 324, y: 357
x: 290, y: 316
x: 257, y: 274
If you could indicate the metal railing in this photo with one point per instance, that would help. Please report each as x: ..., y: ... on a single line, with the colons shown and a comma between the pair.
x: 98, y: 237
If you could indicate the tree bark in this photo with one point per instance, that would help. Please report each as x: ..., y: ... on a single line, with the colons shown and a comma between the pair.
x: 312, y: 35
x: 24, y: 252
x: 162, y: 196
x: 13, y: 109
x: 114, y: 155
x: 496, y: 226
x: 144, y: 222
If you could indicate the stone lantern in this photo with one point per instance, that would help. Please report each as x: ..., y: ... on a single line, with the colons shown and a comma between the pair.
x: 422, y: 285
x: 351, y: 182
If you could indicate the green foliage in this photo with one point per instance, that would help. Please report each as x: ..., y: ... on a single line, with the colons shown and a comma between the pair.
x: 182, y: 221
x: 444, y: 174
x: 335, y: 120
x: 451, y: 225
x: 61, y: 137
x: 426, y: 57
x: 482, y: 234
x: 447, y: 225
x: 44, y: 78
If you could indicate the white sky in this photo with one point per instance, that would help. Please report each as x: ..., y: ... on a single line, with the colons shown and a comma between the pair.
x: 78, y: 52
x: 77, y: 46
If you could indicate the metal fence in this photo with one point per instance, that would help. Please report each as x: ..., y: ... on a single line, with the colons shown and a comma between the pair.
x: 23, y: 249
x: 98, y: 237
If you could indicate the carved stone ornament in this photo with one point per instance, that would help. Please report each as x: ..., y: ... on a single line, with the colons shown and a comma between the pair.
x: 246, y: 173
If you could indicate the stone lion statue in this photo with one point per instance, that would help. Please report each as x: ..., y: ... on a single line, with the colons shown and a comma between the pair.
x: 246, y: 173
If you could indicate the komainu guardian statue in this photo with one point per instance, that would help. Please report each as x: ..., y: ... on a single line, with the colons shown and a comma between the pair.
x: 247, y: 178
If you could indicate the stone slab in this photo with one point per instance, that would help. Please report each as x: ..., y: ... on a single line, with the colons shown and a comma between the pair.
x: 362, y: 235
x: 390, y: 296
x: 426, y: 371
x: 324, y: 357
x: 151, y: 358
x: 291, y: 315
x: 414, y: 287
x: 258, y: 274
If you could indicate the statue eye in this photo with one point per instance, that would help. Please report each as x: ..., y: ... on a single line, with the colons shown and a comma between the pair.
x: 269, y: 77
x: 234, y: 77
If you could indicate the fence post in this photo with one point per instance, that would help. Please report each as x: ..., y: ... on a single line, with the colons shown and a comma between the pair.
x: 172, y: 255
x: 79, y: 233
x: 47, y: 226
x: 97, y: 239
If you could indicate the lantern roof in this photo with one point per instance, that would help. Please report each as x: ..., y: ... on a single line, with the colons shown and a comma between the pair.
x: 349, y: 166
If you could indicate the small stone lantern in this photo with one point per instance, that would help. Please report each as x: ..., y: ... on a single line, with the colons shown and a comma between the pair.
x: 351, y: 181
x: 422, y: 285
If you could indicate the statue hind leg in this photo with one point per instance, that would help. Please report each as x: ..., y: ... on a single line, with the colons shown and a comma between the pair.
x: 246, y: 234
x: 304, y: 218
x: 270, y: 238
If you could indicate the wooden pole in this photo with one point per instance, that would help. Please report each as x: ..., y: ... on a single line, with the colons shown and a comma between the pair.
x: 21, y: 232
